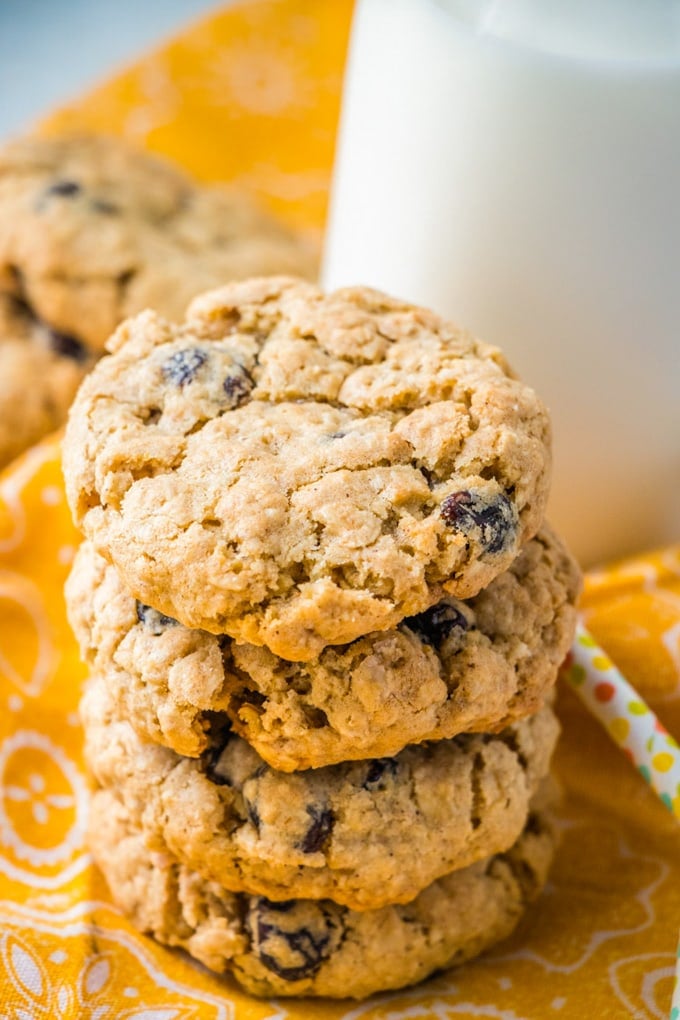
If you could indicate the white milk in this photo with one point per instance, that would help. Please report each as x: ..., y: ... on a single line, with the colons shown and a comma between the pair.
x: 516, y: 166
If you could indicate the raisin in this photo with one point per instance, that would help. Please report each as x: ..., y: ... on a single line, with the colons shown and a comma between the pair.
x: 67, y: 345
x: 493, y: 518
x: 181, y: 367
x: 378, y: 770
x: 210, y: 761
x: 319, y: 831
x: 437, y: 624
x: 64, y: 188
x: 153, y: 620
x: 292, y: 939
x: 237, y: 388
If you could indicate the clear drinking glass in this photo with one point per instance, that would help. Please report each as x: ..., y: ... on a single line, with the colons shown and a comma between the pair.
x: 516, y: 166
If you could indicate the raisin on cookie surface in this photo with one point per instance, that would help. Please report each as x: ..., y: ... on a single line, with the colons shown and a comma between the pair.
x: 461, y: 666
x: 317, y: 947
x: 345, y: 831
x: 297, y: 469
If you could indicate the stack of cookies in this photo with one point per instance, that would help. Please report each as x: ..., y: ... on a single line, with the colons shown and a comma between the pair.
x: 92, y: 231
x: 323, y: 615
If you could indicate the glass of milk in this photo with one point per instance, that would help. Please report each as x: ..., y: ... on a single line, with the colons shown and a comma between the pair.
x: 516, y: 166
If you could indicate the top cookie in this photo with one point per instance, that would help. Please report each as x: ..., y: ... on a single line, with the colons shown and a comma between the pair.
x: 297, y: 470
x: 92, y: 231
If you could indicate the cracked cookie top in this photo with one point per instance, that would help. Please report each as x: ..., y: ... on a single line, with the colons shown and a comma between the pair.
x: 461, y: 666
x: 297, y: 469
x: 347, y: 831
x: 92, y: 231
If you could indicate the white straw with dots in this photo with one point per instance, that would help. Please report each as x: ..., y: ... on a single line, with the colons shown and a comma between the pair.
x: 627, y: 719
x: 632, y: 725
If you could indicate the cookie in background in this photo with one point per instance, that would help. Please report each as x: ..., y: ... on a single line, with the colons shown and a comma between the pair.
x: 91, y: 231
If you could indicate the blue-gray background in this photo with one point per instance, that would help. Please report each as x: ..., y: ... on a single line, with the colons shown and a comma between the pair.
x: 52, y: 50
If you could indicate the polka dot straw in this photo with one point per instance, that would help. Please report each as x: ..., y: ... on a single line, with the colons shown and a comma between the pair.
x: 632, y: 725
x: 629, y: 721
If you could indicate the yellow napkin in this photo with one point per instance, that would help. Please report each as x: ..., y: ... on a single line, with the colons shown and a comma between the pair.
x: 249, y: 95
x: 252, y: 94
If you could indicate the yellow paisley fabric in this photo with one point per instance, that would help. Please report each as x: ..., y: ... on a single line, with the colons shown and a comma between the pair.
x: 252, y: 94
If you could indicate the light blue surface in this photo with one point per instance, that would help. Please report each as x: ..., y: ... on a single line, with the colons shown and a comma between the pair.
x: 52, y: 50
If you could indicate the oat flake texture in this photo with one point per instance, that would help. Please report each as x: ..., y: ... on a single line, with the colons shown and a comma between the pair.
x: 347, y: 831
x: 460, y: 667
x: 317, y: 947
x: 297, y: 469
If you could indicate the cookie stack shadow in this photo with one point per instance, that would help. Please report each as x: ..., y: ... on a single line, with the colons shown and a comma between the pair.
x: 319, y: 749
